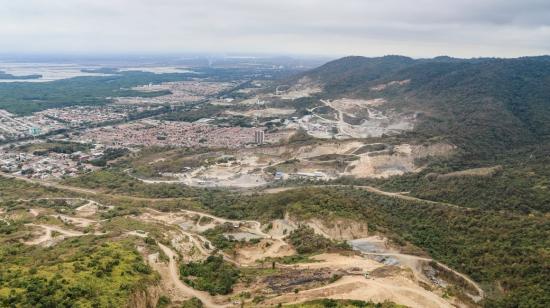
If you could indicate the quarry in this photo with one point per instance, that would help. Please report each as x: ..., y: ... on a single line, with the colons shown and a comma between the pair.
x: 321, y: 160
x: 254, y: 185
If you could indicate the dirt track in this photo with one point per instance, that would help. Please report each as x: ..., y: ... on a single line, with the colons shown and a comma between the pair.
x: 360, y: 288
x: 47, y: 236
x: 173, y: 277
x: 255, y: 227
x: 416, y: 258
x: 371, y: 189
x: 49, y: 184
x: 79, y: 189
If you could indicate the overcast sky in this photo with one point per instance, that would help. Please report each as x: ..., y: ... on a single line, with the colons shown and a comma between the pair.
x: 418, y: 28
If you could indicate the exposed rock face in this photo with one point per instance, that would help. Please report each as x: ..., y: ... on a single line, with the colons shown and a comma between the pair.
x: 339, y: 229
x: 147, y: 298
x: 401, y: 160
x: 282, y: 227
x: 300, y: 278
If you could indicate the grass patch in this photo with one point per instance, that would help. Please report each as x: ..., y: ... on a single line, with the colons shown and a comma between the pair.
x: 306, y: 241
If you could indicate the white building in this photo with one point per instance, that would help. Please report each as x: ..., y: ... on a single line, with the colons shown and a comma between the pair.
x: 259, y: 137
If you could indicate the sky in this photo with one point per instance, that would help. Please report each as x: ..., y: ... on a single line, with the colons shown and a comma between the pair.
x: 419, y: 28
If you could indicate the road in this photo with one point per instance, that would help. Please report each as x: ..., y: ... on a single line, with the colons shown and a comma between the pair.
x: 174, y: 278
x: 341, y: 123
x: 199, y: 241
x: 398, y: 195
x: 81, y: 190
x: 255, y: 226
x: 476, y: 298
x: 48, y: 235
x: 49, y: 184
x: 272, y: 190
x: 358, y: 287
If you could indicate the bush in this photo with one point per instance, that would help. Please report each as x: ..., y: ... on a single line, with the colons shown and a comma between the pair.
x: 305, y: 241
x: 213, y: 275
x: 192, y: 303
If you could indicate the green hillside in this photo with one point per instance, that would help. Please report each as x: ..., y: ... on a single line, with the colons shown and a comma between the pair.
x: 483, y: 105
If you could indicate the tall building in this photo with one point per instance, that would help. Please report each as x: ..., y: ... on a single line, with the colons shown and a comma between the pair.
x: 34, y: 131
x: 259, y: 137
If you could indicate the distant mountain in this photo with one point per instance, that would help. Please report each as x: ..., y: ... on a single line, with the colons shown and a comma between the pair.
x: 6, y: 76
x: 485, y: 105
x: 349, y: 74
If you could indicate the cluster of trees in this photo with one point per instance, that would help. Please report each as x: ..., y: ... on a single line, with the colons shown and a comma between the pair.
x: 192, y: 303
x: 217, y: 237
x: 11, y: 189
x: 306, y: 241
x: 519, y: 181
x: 116, y: 181
x: 507, y: 249
x: 27, y: 97
x: 77, y: 272
x: 62, y: 147
x: 109, y: 154
x: 213, y: 275
x: 7, y: 227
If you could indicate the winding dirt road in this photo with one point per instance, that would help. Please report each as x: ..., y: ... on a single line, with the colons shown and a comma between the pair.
x: 206, y: 298
x: 398, y: 195
x: 81, y: 190
x: 401, y: 256
x: 47, y: 236
x: 358, y: 287
x: 251, y: 226
x: 256, y: 226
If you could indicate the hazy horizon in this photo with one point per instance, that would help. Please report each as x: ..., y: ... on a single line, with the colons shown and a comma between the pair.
x: 494, y: 28
x: 158, y: 58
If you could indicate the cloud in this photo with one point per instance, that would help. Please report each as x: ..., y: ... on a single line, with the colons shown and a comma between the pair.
x: 369, y: 27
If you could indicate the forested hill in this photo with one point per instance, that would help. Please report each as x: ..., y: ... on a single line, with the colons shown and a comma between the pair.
x: 485, y: 105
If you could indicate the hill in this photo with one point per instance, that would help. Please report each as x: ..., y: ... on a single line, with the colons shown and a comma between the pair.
x: 485, y: 105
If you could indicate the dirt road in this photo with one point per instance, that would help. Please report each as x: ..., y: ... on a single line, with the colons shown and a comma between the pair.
x: 360, y: 288
x: 82, y: 190
x: 204, y: 246
x: 371, y: 189
x: 49, y: 184
x: 174, y: 279
x: 251, y: 226
x: 47, y: 236
x: 406, y: 257
x: 269, y: 190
